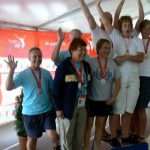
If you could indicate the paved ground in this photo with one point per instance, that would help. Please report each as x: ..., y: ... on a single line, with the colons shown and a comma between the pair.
x: 9, y: 139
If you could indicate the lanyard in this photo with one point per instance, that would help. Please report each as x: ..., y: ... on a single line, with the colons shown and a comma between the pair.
x: 38, y: 81
x: 147, y: 44
x: 79, y: 72
x: 102, y: 70
x: 127, y: 44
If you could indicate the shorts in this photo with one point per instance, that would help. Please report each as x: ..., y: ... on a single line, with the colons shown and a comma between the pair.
x: 127, y: 98
x: 98, y: 108
x: 144, y: 97
x: 36, y: 124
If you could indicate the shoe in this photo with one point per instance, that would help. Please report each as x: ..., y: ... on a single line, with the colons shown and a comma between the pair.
x: 106, y: 137
x: 115, y: 143
x: 57, y: 148
x: 129, y: 141
x: 119, y: 133
x: 141, y: 140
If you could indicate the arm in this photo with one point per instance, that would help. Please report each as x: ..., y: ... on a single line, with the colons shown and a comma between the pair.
x: 137, y: 58
x: 141, y: 16
x: 117, y: 13
x: 55, y: 53
x: 12, y: 66
x: 88, y: 15
x: 134, y: 58
x: 116, y: 91
x: 57, y: 91
x: 107, y: 24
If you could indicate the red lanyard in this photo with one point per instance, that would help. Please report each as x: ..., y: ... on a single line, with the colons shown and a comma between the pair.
x: 102, y: 70
x: 38, y: 81
x: 147, y: 44
x: 79, y: 72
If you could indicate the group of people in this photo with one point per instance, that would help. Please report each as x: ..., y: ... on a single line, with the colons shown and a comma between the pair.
x: 85, y: 91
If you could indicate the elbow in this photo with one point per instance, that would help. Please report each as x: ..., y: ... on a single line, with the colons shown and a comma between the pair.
x: 9, y: 88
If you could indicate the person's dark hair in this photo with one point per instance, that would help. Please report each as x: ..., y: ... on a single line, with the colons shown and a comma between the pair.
x: 100, y: 43
x: 144, y: 23
x: 124, y: 19
x: 77, y: 42
x: 34, y: 48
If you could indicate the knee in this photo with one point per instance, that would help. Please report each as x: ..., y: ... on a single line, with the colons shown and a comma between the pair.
x: 89, y: 125
x: 53, y: 136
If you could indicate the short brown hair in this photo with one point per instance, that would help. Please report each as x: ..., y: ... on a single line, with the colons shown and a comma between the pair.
x: 34, y: 48
x: 100, y: 43
x: 77, y: 42
x: 124, y: 19
x: 143, y: 24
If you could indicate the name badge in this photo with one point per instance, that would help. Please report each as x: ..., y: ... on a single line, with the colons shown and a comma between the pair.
x: 81, y: 101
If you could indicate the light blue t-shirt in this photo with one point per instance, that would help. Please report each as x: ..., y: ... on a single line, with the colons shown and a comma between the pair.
x: 64, y: 54
x: 33, y: 102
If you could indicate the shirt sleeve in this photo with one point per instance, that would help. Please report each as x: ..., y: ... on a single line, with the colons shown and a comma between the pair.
x: 140, y: 46
x: 18, y: 80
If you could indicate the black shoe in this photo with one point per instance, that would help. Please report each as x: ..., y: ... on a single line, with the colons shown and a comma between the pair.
x: 129, y: 141
x: 115, y: 143
x: 57, y: 148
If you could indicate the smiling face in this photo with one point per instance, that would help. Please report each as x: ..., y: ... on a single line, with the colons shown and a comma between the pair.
x: 77, y: 49
x: 79, y: 54
x: 35, y: 57
x: 146, y: 31
x: 103, y: 48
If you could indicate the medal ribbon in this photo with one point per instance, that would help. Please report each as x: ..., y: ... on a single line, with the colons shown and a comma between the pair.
x: 127, y: 44
x: 79, y: 72
x: 38, y: 81
x: 147, y: 44
x: 102, y: 70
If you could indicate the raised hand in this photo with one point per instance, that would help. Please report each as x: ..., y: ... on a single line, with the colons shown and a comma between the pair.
x: 60, y: 35
x: 11, y: 62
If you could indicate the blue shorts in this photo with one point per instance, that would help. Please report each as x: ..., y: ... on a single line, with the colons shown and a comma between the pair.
x: 36, y: 124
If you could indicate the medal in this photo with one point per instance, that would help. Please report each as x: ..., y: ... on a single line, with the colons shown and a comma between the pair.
x: 127, y: 44
x: 40, y: 91
x: 79, y: 85
x: 146, y: 55
x: 103, y: 81
x: 127, y: 52
x: 102, y: 69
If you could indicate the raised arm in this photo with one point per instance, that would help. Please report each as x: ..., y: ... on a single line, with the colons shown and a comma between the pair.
x: 117, y: 13
x: 141, y: 16
x: 12, y: 66
x: 108, y: 26
x: 55, y: 53
x: 88, y: 15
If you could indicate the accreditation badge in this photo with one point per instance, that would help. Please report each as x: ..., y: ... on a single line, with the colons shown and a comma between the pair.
x: 81, y: 101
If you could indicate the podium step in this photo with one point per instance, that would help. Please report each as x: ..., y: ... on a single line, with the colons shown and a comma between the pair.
x: 133, y: 147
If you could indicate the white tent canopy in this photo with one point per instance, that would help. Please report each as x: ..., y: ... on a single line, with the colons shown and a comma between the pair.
x: 52, y: 14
